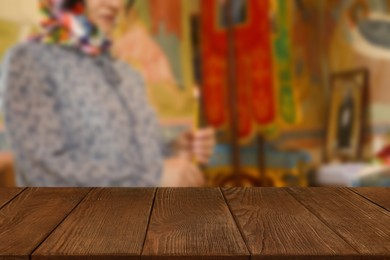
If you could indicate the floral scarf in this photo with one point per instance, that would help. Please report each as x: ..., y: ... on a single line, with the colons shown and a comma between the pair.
x: 65, y: 23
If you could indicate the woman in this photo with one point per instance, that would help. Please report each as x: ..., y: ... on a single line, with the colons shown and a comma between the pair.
x: 78, y: 117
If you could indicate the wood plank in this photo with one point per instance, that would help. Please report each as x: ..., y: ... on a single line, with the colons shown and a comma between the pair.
x: 7, y: 194
x: 192, y: 223
x: 380, y: 196
x: 28, y: 219
x: 275, y: 224
x: 365, y: 226
x: 108, y: 224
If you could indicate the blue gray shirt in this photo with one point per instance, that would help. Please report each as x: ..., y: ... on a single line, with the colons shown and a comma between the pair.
x: 78, y: 120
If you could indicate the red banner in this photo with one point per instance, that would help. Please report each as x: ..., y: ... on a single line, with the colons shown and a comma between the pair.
x: 253, y: 51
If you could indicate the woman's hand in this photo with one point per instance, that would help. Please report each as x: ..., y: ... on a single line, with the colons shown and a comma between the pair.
x: 198, y: 145
x: 179, y: 171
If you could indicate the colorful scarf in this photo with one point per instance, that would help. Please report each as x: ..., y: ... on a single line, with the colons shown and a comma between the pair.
x: 65, y: 23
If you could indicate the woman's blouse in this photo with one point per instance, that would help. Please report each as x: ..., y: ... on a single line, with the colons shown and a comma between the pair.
x: 79, y: 120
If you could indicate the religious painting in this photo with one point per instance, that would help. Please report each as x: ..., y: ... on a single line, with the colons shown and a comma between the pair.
x: 347, y: 114
x: 155, y: 38
x: 239, y: 9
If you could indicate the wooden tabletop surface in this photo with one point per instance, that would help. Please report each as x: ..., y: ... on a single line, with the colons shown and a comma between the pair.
x: 210, y: 223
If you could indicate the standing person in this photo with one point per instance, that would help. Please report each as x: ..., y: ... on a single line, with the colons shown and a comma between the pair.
x: 76, y: 116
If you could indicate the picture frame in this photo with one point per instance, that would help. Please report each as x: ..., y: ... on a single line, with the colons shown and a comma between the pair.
x: 347, y: 116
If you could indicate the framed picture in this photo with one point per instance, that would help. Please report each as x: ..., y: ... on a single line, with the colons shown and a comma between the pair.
x: 347, y: 116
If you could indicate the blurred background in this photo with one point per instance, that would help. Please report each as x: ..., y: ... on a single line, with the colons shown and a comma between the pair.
x: 298, y: 89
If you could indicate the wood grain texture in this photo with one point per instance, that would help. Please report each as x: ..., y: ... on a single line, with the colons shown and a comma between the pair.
x: 28, y: 219
x: 274, y: 224
x: 7, y: 194
x: 380, y: 196
x: 364, y: 225
x: 108, y: 224
x: 192, y: 224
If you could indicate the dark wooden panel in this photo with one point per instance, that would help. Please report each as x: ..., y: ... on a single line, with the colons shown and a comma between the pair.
x: 28, y: 219
x: 7, y: 194
x: 192, y: 224
x: 365, y: 226
x: 275, y: 224
x: 110, y: 223
x: 380, y: 196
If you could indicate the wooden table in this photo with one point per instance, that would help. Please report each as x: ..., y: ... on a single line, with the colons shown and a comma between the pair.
x: 212, y: 223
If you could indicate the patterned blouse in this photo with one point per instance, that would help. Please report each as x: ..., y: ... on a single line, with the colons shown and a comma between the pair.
x: 77, y: 120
